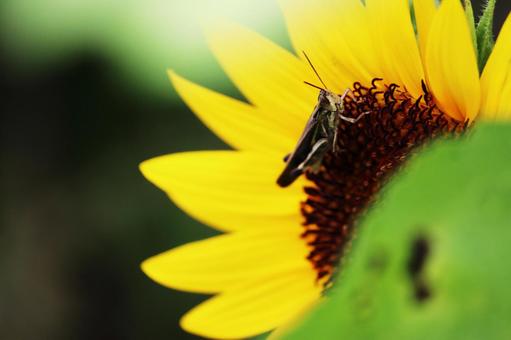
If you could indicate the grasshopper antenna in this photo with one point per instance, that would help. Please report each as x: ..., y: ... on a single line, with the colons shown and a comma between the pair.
x: 315, y: 71
x: 315, y: 86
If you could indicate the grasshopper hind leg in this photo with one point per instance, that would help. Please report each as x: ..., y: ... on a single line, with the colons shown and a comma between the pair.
x: 316, y: 155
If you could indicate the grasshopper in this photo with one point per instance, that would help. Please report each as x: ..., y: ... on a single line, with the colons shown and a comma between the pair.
x: 319, y: 135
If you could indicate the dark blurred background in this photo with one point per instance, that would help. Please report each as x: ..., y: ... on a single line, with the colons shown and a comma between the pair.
x: 85, y: 99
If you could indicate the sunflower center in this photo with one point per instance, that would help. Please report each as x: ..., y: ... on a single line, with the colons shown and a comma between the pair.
x: 367, y: 153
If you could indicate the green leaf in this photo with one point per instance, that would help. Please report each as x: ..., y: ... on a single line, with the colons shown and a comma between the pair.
x: 484, y: 34
x: 433, y: 259
x: 469, y: 12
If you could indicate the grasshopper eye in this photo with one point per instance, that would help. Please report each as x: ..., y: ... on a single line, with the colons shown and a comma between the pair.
x: 286, y: 157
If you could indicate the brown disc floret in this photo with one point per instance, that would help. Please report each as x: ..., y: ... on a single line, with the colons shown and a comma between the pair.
x: 367, y: 153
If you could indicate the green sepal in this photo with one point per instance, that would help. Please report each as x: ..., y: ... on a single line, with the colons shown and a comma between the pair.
x: 413, y: 18
x: 484, y: 34
x: 469, y: 12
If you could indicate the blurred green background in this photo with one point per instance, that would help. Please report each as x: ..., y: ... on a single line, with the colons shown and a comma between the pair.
x: 85, y: 99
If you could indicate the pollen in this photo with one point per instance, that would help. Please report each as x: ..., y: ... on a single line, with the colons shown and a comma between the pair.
x: 394, y: 125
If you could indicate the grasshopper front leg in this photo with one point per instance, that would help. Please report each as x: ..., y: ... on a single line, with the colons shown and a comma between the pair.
x: 340, y: 109
x: 353, y: 120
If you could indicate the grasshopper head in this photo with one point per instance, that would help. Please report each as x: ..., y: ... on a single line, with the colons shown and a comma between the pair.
x: 329, y: 100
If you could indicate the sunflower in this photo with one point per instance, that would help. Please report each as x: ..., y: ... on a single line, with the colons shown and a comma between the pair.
x: 413, y: 77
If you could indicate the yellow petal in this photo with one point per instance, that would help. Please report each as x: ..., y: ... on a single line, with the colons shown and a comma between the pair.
x: 270, y: 77
x: 424, y: 13
x: 222, y: 262
x: 228, y: 190
x: 335, y: 36
x: 239, y: 124
x: 254, y: 307
x: 451, y: 65
x: 396, y: 43
x: 496, y: 79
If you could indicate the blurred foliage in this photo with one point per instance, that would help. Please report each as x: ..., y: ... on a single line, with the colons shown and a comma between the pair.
x: 78, y: 218
x: 144, y: 38
x: 431, y: 261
